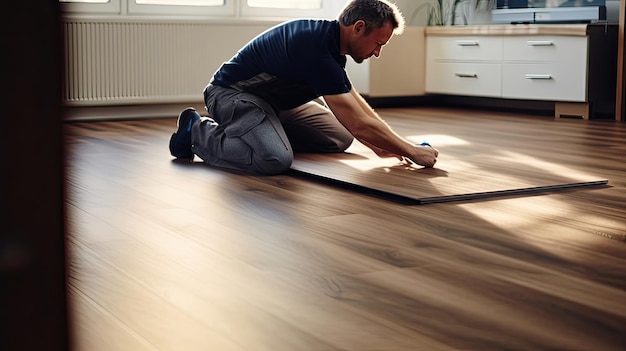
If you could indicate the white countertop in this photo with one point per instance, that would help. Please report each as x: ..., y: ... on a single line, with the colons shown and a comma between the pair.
x: 509, y: 29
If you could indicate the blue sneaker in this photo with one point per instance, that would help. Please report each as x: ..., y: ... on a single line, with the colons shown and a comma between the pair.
x: 180, y: 142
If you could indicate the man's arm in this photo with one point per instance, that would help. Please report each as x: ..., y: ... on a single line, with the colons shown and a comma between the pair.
x: 366, y: 126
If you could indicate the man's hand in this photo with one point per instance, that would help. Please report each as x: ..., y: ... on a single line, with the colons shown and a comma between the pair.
x: 423, y: 155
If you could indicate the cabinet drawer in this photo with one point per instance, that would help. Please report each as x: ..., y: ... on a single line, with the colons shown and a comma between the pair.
x: 546, y: 48
x: 472, y: 79
x: 463, y: 48
x: 543, y: 82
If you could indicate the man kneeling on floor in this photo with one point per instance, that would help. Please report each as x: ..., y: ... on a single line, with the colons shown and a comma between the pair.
x: 263, y: 103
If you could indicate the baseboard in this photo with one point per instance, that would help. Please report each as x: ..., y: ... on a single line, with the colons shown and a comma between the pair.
x: 125, y: 112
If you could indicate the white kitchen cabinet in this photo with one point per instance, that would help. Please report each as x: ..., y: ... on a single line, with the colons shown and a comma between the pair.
x: 571, y: 65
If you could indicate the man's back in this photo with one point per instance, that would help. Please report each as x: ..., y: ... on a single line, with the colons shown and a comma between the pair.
x: 289, y: 64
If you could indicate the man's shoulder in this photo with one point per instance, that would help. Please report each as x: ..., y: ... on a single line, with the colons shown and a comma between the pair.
x: 311, y: 25
x: 309, y: 21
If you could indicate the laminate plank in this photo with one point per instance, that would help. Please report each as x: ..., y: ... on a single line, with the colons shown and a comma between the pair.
x: 468, y: 167
x: 142, y: 310
x: 110, y: 334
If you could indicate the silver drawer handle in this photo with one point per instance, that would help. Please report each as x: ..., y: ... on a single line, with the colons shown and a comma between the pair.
x: 466, y: 75
x: 539, y: 42
x: 466, y: 43
x: 538, y: 76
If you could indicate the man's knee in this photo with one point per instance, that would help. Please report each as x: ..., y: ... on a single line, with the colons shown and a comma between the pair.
x: 340, y: 141
x: 278, y: 163
x: 344, y: 142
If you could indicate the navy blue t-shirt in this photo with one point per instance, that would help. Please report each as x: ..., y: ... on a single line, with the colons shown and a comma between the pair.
x: 289, y: 64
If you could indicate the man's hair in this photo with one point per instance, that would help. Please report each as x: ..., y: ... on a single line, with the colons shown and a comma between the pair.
x: 375, y: 13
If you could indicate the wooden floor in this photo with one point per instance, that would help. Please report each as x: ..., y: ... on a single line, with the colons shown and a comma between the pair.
x: 167, y: 255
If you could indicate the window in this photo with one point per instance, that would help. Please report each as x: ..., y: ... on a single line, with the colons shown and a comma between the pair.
x: 182, y: 7
x: 91, y: 6
x: 181, y: 2
x: 87, y: 1
x: 287, y: 4
x: 287, y: 8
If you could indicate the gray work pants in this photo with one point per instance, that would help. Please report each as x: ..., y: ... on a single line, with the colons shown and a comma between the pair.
x: 245, y: 133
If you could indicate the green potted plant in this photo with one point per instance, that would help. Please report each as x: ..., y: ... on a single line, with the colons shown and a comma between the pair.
x: 456, y: 12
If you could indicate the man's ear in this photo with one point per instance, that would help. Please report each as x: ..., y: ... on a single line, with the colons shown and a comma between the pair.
x: 359, y: 27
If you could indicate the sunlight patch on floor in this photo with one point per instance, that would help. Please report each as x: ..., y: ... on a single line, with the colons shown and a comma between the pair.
x: 545, y: 166
x: 513, y: 213
x: 544, y: 220
x: 367, y: 164
x: 367, y: 160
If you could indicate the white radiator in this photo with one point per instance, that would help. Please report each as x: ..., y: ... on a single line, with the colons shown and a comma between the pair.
x: 139, y: 62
